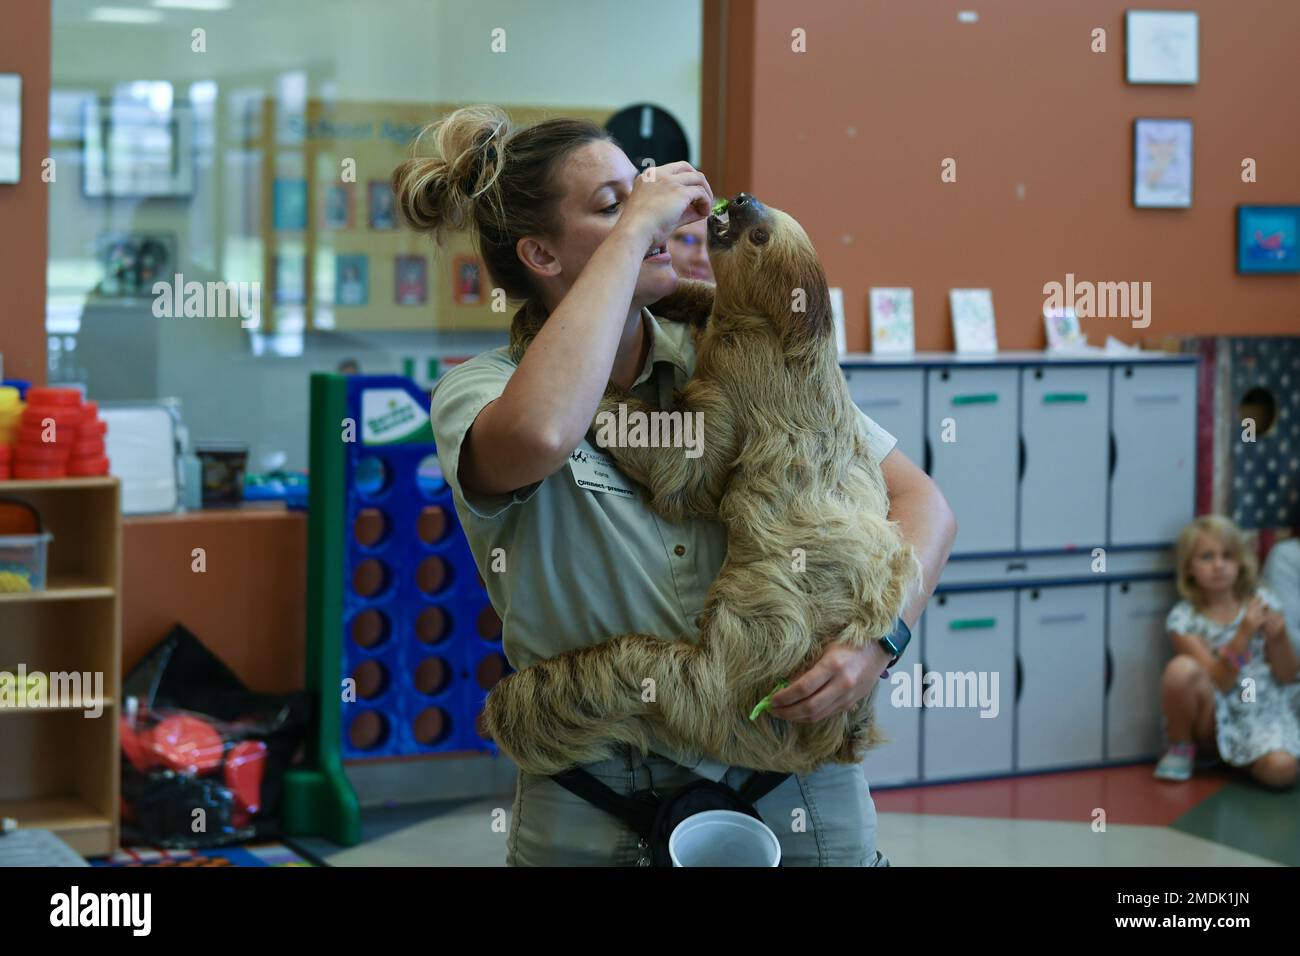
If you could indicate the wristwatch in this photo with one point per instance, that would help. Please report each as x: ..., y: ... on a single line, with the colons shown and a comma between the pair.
x: 895, y: 642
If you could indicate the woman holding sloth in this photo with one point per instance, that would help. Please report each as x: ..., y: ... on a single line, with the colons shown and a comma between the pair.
x: 564, y: 223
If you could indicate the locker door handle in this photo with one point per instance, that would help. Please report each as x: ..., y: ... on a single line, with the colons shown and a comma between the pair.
x: 1020, y: 678
x: 973, y: 623
x: 879, y: 403
x: 928, y: 456
x: 1110, y: 669
x: 986, y: 398
x: 1056, y: 398
x: 1152, y: 398
x: 1062, y: 618
x: 1114, y: 456
x: 1020, y: 469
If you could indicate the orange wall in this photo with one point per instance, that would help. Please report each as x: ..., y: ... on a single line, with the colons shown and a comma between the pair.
x: 1016, y: 98
x: 24, y: 208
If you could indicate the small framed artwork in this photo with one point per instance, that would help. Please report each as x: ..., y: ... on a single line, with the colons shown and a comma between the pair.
x: 351, y: 280
x: 131, y: 150
x: 289, y: 204
x: 467, y: 280
x: 1160, y: 46
x: 133, y: 261
x: 1063, y: 329
x: 410, y: 280
x: 1266, y: 239
x: 338, y: 206
x: 1162, y: 163
x: 290, y: 280
x: 11, y: 125
x: 973, y: 327
x: 893, y: 327
x: 383, y: 212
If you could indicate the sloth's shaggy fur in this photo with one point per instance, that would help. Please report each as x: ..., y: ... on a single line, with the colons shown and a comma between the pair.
x: 812, y: 558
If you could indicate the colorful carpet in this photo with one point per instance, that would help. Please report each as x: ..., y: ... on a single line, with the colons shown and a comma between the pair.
x: 263, y: 854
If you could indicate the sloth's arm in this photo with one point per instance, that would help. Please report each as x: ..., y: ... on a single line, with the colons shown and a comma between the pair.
x: 687, y: 480
x: 691, y: 303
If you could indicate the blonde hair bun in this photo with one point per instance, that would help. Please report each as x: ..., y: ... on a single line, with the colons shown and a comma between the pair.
x: 454, y: 163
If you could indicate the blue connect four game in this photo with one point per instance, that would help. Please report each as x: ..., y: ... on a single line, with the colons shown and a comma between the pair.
x: 395, y: 601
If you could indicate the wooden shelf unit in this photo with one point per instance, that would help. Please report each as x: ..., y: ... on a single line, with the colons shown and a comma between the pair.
x: 60, y: 767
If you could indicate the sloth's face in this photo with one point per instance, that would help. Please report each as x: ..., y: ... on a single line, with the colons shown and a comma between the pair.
x: 764, y: 263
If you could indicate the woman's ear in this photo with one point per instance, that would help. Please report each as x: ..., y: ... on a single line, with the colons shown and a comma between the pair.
x: 537, y: 258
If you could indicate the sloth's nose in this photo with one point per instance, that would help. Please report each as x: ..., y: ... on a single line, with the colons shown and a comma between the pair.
x: 743, y: 199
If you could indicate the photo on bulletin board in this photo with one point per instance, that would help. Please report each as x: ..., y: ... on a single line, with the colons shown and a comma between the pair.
x: 383, y: 207
x: 290, y: 280
x: 973, y: 326
x: 467, y: 280
x: 289, y: 204
x: 351, y: 280
x: 338, y: 206
x: 1161, y: 46
x: 1267, y: 239
x: 11, y: 125
x: 410, y: 280
x: 1162, y: 163
x: 893, y: 328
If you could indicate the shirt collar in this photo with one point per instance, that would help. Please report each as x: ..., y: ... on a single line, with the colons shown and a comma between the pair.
x: 662, y: 349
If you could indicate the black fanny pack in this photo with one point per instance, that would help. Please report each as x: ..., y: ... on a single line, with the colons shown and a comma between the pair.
x: 654, y: 817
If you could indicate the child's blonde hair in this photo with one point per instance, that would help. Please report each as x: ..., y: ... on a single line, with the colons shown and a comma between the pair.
x: 1229, y: 535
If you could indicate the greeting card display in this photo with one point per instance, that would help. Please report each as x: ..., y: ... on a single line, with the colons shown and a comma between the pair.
x: 893, y: 327
x: 973, y: 327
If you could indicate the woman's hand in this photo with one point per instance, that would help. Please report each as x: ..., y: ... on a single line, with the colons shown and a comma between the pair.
x: 657, y: 207
x: 841, y: 678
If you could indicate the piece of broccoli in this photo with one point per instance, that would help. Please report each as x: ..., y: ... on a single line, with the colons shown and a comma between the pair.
x: 720, y: 206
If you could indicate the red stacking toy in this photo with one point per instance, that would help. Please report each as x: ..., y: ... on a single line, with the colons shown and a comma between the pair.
x: 59, y: 436
x: 6, y: 461
x: 88, y: 453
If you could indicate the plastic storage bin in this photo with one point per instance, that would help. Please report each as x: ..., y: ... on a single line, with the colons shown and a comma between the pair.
x: 22, y: 562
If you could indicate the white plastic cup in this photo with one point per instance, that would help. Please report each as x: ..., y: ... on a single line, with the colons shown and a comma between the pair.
x: 723, y: 838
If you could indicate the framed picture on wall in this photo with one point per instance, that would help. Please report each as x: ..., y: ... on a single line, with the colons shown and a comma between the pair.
x: 1162, y: 163
x: 1160, y: 46
x: 289, y: 204
x: 338, y: 206
x: 131, y: 149
x: 467, y: 280
x: 132, y: 262
x: 351, y: 280
x: 11, y: 125
x: 410, y: 280
x: 1267, y: 239
x: 383, y: 211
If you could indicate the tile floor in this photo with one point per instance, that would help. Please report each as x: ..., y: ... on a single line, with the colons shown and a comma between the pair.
x: 1216, y: 819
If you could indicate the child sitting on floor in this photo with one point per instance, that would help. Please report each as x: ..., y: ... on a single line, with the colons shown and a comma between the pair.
x: 1232, y: 682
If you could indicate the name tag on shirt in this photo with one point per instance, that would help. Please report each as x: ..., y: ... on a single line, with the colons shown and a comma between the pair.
x: 596, y: 472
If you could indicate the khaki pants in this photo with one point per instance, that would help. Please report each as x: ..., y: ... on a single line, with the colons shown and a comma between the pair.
x: 826, y: 818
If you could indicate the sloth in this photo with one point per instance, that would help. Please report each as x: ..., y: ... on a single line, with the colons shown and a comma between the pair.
x: 812, y: 557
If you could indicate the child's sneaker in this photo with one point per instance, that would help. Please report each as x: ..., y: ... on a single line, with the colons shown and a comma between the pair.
x: 1176, y: 764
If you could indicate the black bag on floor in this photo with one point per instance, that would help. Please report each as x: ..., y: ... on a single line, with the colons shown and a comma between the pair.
x: 181, y: 676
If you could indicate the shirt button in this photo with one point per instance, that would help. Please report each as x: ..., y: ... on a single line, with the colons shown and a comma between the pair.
x: 679, y: 550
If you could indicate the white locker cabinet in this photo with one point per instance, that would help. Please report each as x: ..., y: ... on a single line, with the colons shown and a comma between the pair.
x: 1064, y: 417
x: 1062, y: 662
x: 895, y: 400
x: 1137, y: 650
x: 969, y: 633
x: 977, y: 471
x: 898, y: 761
x: 1153, y: 428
